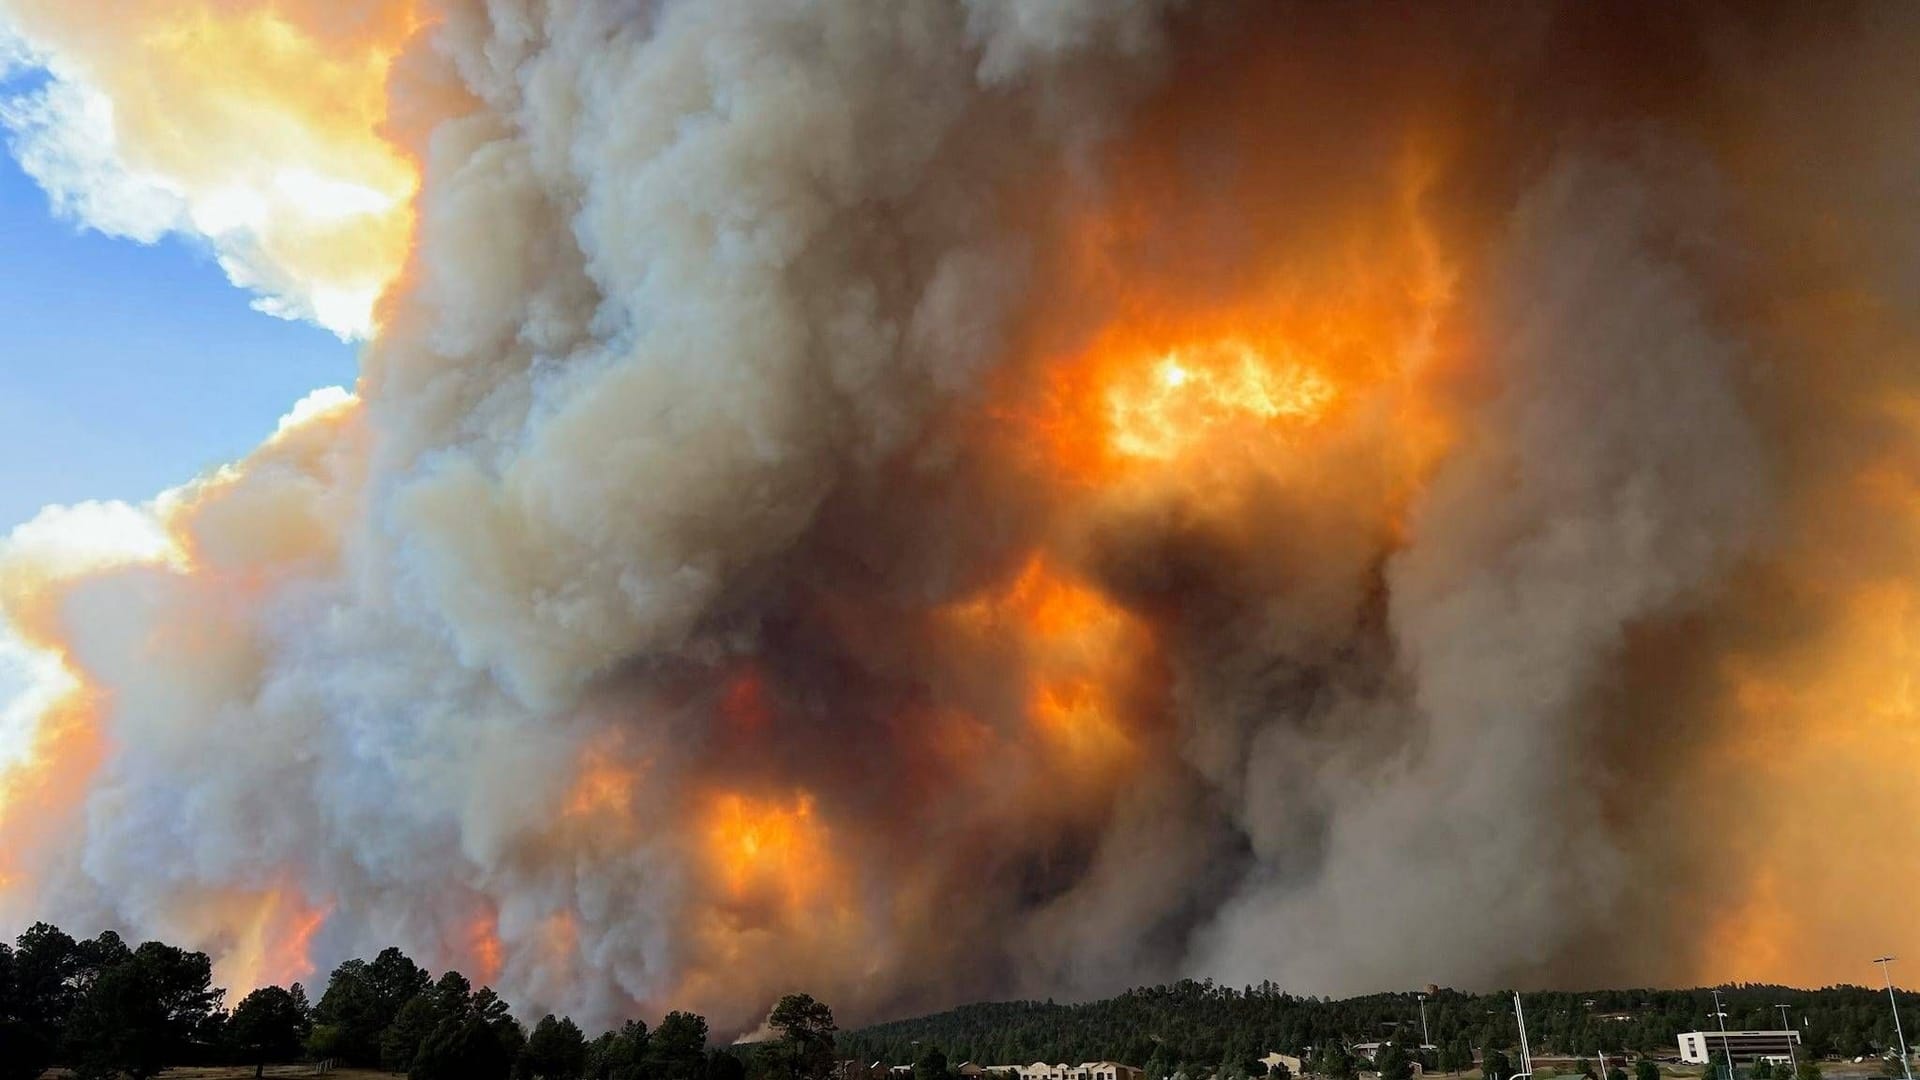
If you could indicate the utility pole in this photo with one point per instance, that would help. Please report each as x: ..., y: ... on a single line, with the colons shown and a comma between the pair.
x: 1884, y: 970
x: 1793, y: 1059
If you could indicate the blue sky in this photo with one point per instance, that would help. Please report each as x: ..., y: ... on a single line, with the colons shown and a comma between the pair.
x: 127, y: 368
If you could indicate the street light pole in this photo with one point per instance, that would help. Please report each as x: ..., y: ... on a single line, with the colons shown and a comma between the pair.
x: 1786, y: 1024
x: 1526, y: 1054
x: 1424, y: 1040
x: 1884, y: 970
x: 1726, y: 1041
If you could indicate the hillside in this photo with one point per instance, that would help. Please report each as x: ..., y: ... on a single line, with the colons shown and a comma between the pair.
x: 1203, y: 1023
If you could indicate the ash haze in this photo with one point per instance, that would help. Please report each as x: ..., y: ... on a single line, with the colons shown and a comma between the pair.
x: 932, y: 499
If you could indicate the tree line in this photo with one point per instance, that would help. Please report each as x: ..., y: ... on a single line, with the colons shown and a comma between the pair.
x: 100, y: 1009
x: 1202, y: 1027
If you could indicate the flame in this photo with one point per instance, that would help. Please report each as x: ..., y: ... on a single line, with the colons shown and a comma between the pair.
x: 1162, y: 409
x: 269, y: 934
x: 484, y: 948
x: 1178, y: 381
x: 1080, y: 652
x: 287, y: 171
x: 766, y: 847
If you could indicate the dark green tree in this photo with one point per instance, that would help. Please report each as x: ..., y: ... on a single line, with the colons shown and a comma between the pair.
x: 418, y: 1018
x: 361, y: 1001
x: 138, y: 1015
x: 1392, y: 1063
x: 268, y: 1025
x: 24, y: 1054
x: 46, y: 964
x: 481, y: 1042
x: 394, y: 980
x: 724, y: 1065
x: 931, y: 1065
x: 1808, y: 1070
x: 1495, y: 1066
x: 1646, y: 1069
x: 556, y: 1050
x: 805, y: 1048
x: 677, y: 1049
x: 619, y: 1055
x: 346, y: 1022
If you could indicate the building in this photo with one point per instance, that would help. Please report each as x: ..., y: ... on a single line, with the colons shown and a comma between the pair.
x: 1698, y: 1047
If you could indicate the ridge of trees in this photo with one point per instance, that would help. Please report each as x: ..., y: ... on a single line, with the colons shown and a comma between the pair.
x: 1205, y: 1027
x: 102, y: 1008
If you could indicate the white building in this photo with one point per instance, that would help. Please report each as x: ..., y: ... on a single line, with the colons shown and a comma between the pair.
x: 1698, y: 1047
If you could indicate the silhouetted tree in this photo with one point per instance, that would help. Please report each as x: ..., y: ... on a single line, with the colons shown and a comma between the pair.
x: 619, y: 1055
x: 931, y: 1065
x: 138, y: 1014
x: 805, y: 1049
x: 267, y: 1025
x: 1495, y: 1066
x: 400, y: 1043
x: 556, y: 1050
x: 481, y: 1042
x: 722, y: 1065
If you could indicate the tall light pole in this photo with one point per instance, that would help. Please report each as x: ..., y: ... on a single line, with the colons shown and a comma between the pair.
x: 1424, y: 1040
x: 1884, y: 970
x: 1726, y: 1042
x: 1526, y: 1054
x: 1786, y: 1025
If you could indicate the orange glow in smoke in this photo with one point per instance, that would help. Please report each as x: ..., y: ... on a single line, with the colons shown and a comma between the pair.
x: 1159, y: 410
x: 1081, y: 653
x: 271, y: 935
x: 766, y: 847
x: 604, y: 785
x: 483, y: 946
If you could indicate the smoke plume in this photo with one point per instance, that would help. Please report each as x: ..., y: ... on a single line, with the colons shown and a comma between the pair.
x: 926, y: 499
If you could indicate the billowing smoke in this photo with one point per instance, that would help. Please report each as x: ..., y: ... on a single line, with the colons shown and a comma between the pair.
x: 923, y: 499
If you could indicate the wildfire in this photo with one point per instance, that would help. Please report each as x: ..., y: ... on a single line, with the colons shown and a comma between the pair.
x: 1081, y: 654
x: 1161, y: 409
x: 603, y: 787
x: 271, y: 935
x: 769, y: 847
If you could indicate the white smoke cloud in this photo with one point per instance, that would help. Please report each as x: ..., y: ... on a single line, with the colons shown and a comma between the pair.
x: 307, y: 217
